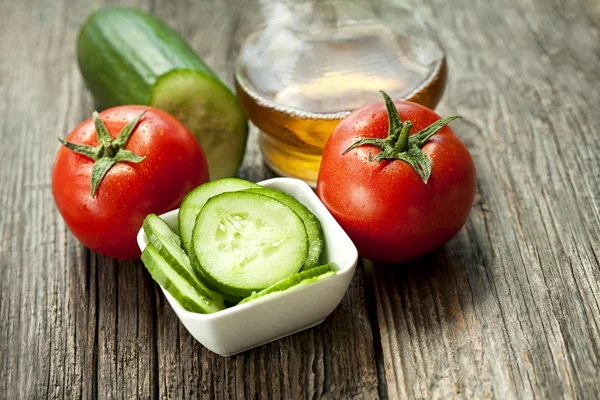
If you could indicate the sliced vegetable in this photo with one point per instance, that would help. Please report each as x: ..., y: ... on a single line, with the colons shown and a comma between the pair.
x: 168, y: 245
x: 311, y: 223
x: 129, y: 57
x: 245, y: 242
x: 301, y: 279
x: 195, y: 200
x: 187, y: 295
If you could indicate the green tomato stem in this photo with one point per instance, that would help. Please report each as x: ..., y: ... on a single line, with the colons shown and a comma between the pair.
x: 108, y: 152
x: 400, y: 144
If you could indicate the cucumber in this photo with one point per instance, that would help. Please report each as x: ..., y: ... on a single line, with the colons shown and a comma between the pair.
x: 175, y: 284
x: 166, y: 241
x: 195, y: 200
x: 129, y: 57
x: 311, y: 223
x: 168, y: 244
x: 245, y: 242
x: 301, y: 279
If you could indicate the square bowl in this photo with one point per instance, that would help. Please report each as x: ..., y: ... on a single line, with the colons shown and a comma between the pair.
x: 261, y: 321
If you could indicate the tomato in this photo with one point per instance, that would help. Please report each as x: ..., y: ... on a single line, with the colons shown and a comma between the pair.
x: 380, y: 190
x: 148, y: 172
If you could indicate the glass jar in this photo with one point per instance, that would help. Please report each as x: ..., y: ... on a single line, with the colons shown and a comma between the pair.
x: 314, y: 61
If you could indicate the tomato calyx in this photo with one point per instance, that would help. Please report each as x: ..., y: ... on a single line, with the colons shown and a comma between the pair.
x: 108, y: 152
x: 400, y: 144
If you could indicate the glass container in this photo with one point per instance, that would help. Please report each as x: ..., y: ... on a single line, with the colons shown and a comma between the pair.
x: 312, y: 62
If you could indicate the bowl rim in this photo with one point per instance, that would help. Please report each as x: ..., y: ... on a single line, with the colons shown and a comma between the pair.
x: 347, y: 268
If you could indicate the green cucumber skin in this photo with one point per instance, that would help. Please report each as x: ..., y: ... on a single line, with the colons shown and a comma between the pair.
x: 122, y: 53
x: 189, y: 274
x: 311, y: 223
x: 152, y: 261
x: 130, y: 57
x: 307, y: 276
x: 228, y: 298
x: 193, y: 202
x: 224, y: 288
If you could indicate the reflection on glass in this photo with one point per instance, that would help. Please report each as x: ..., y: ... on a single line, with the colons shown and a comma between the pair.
x: 313, y: 62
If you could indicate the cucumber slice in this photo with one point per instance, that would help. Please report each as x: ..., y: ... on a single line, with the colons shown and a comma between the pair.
x: 301, y: 279
x: 245, y: 242
x: 209, y: 110
x: 311, y: 223
x: 168, y: 244
x: 195, y: 200
x: 166, y: 241
x: 228, y: 299
x: 176, y: 285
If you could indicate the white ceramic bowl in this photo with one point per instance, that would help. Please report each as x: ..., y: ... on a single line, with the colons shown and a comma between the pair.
x: 252, y: 324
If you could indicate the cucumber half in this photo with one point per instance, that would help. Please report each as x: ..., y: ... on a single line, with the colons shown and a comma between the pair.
x: 195, y: 200
x: 129, y: 57
x: 311, y: 223
x: 301, y: 279
x: 245, y: 242
x: 209, y: 110
x: 175, y: 284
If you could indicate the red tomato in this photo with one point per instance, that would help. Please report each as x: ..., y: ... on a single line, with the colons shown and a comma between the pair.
x: 173, y: 163
x: 385, y: 206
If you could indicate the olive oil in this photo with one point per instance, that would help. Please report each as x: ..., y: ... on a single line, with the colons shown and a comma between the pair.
x: 297, y: 98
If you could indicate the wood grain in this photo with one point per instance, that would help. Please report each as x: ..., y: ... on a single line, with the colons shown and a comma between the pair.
x: 509, y: 308
x: 80, y: 325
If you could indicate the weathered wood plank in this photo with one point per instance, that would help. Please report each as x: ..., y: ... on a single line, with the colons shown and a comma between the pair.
x: 334, y: 360
x: 46, y: 311
x: 508, y: 309
x: 79, y: 325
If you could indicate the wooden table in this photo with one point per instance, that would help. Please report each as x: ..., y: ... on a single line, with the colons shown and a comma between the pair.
x: 510, y: 308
